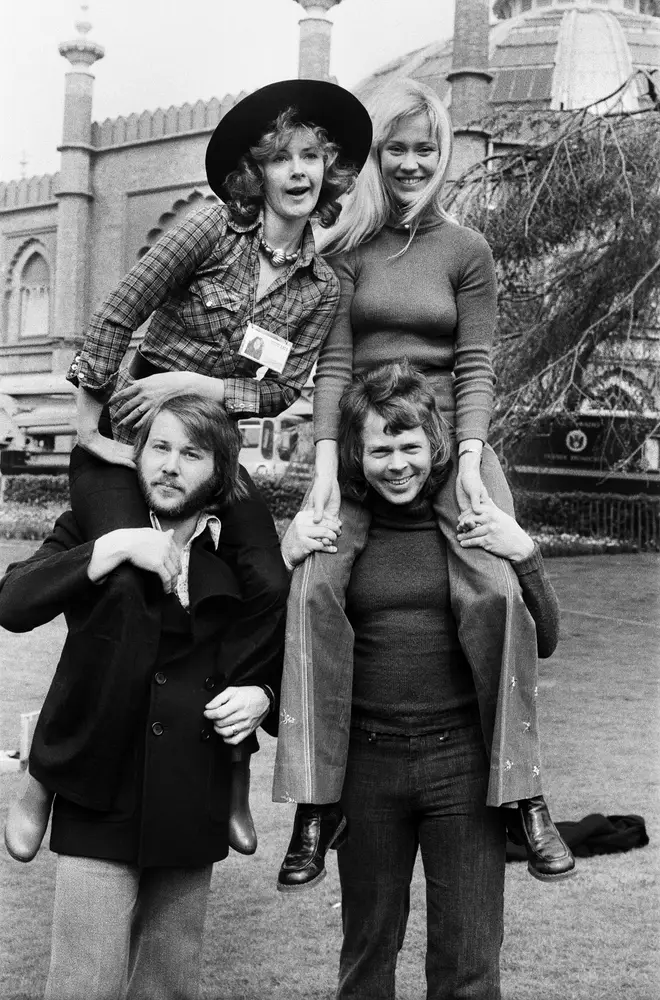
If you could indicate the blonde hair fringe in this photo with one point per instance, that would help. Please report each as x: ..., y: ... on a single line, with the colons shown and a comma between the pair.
x: 369, y: 206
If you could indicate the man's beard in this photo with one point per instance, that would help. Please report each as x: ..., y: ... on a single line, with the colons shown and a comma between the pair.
x: 192, y: 503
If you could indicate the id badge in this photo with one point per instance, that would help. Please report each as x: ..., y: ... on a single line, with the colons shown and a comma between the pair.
x: 267, y: 349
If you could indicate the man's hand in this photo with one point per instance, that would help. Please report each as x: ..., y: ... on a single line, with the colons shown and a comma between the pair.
x: 496, y: 532
x: 237, y: 711
x: 146, y: 548
x: 304, y: 536
x: 107, y: 450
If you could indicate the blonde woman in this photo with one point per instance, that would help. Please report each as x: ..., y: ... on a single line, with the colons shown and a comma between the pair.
x: 414, y: 285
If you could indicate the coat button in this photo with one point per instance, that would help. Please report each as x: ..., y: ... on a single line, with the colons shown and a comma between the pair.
x: 157, y: 729
x: 205, y: 735
x: 160, y: 677
x: 209, y: 683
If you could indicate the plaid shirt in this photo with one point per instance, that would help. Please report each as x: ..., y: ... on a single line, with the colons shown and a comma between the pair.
x: 198, y: 284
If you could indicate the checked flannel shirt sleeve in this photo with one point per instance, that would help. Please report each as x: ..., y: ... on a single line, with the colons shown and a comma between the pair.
x: 198, y: 286
x: 167, y: 266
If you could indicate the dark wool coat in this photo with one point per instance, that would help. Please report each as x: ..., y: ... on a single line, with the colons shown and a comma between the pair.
x: 168, y: 799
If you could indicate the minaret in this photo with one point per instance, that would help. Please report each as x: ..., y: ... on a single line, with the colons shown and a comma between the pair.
x: 73, y: 193
x: 470, y: 81
x: 315, y: 31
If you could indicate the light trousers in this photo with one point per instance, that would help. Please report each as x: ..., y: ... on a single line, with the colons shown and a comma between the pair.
x: 125, y: 933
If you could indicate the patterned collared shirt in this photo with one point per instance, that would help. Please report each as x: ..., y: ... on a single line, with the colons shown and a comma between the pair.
x: 198, y: 285
x: 205, y: 521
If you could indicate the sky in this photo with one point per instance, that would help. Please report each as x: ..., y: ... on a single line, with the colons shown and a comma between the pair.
x: 164, y: 52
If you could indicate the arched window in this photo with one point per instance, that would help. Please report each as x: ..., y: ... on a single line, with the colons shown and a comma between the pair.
x: 34, y: 297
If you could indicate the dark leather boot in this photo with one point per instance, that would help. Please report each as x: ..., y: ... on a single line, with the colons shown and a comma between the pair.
x: 530, y: 825
x: 315, y: 830
x: 242, y: 834
x: 27, y: 820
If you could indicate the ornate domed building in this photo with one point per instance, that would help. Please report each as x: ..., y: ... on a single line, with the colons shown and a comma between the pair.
x: 555, y: 54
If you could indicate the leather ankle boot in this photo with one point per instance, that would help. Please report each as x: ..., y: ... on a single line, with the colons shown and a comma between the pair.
x: 548, y: 857
x: 242, y: 834
x: 27, y: 820
x: 315, y: 830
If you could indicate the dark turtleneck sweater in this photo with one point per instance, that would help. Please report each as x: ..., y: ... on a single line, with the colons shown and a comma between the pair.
x: 410, y: 672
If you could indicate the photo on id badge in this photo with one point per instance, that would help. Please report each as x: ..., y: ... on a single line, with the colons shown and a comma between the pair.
x: 267, y: 348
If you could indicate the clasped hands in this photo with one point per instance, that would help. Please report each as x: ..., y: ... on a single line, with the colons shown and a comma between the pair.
x: 304, y: 536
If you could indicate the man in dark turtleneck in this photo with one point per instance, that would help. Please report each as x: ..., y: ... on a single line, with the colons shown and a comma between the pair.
x: 422, y: 720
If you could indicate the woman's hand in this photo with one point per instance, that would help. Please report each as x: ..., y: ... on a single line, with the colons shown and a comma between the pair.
x: 304, y: 536
x: 136, y: 400
x: 324, y: 499
x: 496, y: 532
x: 113, y: 452
x: 89, y: 411
x: 470, y: 490
x: 237, y: 711
x: 471, y: 493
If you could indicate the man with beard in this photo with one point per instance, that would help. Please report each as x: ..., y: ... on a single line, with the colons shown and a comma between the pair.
x: 136, y: 844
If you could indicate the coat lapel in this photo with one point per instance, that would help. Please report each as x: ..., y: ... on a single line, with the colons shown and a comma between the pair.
x: 212, y: 586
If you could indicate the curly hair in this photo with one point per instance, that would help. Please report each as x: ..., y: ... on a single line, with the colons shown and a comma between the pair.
x: 244, y: 187
x: 208, y: 427
x: 405, y: 399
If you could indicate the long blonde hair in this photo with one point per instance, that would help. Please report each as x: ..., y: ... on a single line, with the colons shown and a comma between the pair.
x: 370, y: 206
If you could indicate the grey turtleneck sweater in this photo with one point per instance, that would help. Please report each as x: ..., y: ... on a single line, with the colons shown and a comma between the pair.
x: 434, y: 305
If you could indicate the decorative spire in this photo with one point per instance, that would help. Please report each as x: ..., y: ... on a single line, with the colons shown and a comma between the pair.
x: 315, y: 30
x: 83, y: 26
x: 317, y: 8
x: 23, y: 164
x: 81, y: 51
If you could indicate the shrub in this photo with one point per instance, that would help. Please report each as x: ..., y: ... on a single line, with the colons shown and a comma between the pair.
x: 634, y: 519
x: 36, y: 490
x: 20, y: 520
x: 284, y: 497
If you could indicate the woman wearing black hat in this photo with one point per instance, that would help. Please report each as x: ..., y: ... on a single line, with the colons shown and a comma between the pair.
x: 283, y: 154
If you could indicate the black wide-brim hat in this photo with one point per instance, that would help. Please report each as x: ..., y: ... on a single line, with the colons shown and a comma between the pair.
x: 327, y: 105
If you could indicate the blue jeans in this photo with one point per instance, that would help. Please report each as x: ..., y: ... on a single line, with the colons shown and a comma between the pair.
x: 426, y: 792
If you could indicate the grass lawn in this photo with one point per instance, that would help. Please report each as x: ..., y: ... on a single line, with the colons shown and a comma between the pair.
x: 593, y: 938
